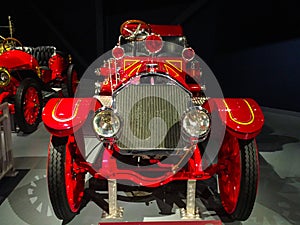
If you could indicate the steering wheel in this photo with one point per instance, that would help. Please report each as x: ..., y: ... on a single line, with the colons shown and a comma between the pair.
x: 10, y: 42
x: 135, y: 30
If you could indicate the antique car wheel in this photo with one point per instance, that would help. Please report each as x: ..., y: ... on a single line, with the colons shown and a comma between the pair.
x: 238, y: 177
x: 65, y: 184
x: 28, y: 105
x: 72, y: 80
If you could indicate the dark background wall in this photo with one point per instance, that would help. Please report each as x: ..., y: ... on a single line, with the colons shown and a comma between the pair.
x: 253, y: 47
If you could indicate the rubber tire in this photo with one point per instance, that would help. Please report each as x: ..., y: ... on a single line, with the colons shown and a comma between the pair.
x: 71, y: 71
x: 19, y: 110
x: 56, y: 179
x: 248, y: 183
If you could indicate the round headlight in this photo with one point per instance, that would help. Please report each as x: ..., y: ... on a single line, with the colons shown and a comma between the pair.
x: 196, y: 122
x: 4, y: 77
x: 106, y: 123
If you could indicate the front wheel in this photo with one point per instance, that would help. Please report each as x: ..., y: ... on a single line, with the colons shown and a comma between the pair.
x: 66, y: 180
x: 238, y: 177
x: 28, y: 105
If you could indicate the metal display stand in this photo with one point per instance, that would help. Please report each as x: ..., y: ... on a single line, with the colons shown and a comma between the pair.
x: 193, y: 213
x: 6, y: 156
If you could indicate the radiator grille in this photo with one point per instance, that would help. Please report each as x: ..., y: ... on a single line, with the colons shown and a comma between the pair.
x: 151, y: 116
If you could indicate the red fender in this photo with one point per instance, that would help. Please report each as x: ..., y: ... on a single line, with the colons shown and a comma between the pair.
x: 64, y: 116
x: 243, y: 117
x: 18, y: 59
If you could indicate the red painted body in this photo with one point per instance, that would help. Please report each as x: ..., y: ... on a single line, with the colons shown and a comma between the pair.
x: 131, y: 66
x: 64, y: 116
x: 44, y: 64
x: 17, y: 59
x: 242, y: 117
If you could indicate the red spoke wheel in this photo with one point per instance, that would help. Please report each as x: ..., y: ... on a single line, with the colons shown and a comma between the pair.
x: 72, y: 80
x: 238, y: 177
x: 28, y: 105
x: 66, y: 180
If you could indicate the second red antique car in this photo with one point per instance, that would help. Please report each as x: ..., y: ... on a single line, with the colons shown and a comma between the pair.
x: 147, y: 114
x: 29, y: 76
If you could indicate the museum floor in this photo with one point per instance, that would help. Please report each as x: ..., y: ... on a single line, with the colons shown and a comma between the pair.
x: 277, y: 202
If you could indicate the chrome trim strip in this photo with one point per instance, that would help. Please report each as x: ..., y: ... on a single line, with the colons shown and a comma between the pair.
x: 175, y: 82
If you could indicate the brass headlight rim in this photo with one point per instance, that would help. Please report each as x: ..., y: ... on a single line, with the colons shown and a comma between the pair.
x: 4, y: 70
x: 199, y: 137
x: 105, y: 108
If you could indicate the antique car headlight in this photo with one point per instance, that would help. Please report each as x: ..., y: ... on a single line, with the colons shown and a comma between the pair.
x: 4, y: 77
x: 106, y: 123
x: 196, y: 122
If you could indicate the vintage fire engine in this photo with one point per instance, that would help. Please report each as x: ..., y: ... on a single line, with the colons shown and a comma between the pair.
x: 29, y: 76
x: 142, y: 119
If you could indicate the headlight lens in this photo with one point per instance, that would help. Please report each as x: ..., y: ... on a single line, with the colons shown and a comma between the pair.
x: 196, y: 122
x: 4, y: 77
x: 106, y: 123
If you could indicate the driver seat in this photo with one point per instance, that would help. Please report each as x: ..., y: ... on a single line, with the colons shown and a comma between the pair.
x: 43, y: 54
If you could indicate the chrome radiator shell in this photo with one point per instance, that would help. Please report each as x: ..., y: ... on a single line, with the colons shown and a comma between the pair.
x: 151, y: 116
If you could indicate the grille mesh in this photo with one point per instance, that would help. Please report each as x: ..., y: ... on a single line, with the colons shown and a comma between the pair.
x: 151, y: 116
